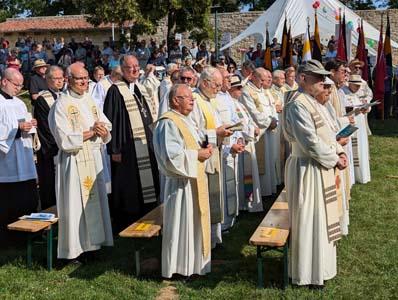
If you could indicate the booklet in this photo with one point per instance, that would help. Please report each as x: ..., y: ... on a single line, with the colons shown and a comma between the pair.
x: 357, y: 109
x: 39, y: 217
x: 346, y: 131
x: 236, y: 127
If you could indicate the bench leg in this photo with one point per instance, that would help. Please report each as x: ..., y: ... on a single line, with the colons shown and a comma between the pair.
x: 29, y: 251
x: 137, y: 263
x: 285, y: 266
x: 50, y: 248
x: 260, y: 270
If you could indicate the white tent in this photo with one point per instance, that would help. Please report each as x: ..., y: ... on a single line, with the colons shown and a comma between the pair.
x: 297, y: 12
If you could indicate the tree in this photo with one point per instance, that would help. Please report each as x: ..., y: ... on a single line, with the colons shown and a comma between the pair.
x: 359, y: 4
x: 256, y: 5
x: 9, y: 9
x: 392, y: 4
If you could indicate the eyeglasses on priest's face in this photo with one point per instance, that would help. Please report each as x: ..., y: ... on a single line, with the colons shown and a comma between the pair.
x: 15, y: 84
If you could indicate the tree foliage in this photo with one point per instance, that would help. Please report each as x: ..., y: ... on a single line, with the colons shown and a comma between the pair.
x: 359, y: 4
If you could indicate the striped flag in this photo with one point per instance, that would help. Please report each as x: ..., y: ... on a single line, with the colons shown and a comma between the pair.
x: 316, y: 46
x: 267, y: 54
x: 307, y: 46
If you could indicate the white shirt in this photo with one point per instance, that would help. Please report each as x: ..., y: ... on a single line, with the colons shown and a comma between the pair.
x: 16, y: 154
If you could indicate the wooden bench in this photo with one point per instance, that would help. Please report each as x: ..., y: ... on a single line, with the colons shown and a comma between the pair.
x: 34, y: 228
x: 149, y: 226
x: 272, y: 234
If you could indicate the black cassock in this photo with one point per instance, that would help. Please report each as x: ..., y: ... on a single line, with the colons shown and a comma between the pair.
x: 127, y: 202
x: 45, y: 156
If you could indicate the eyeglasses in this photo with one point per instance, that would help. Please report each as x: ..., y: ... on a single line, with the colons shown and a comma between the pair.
x: 183, y: 78
x: 216, y: 85
x: 15, y: 84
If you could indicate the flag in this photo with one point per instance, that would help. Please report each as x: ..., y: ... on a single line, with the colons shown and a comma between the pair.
x: 284, y: 41
x: 361, y: 52
x: 344, y: 25
x: 316, y: 46
x: 267, y: 54
x: 341, y: 52
x: 380, y: 71
x: 307, y: 46
x: 288, y: 61
x: 387, y: 44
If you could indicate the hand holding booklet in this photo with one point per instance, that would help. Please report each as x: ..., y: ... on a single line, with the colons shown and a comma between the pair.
x: 235, y: 127
x: 357, y: 109
x: 346, y: 131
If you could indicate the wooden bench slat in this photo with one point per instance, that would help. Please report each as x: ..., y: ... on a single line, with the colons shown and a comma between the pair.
x: 276, y: 218
x: 29, y: 225
x: 154, y: 219
x: 280, y: 205
x: 269, y: 236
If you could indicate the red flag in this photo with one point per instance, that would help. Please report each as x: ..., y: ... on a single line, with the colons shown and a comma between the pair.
x: 380, y: 73
x: 341, y: 51
x: 361, y: 52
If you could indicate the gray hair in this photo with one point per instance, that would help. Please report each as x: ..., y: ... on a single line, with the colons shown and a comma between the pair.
x: 173, y: 91
x: 249, y: 65
x: 51, y: 69
x: 171, y: 67
x: 207, y: 74
x: 124, y: 57
x: 277, y: 73
x: 187, y: 69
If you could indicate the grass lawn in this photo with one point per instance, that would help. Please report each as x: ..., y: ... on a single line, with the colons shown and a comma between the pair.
x: 367, y: 258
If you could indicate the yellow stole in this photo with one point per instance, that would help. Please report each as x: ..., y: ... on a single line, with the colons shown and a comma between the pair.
x: 87, y: 173
x: 199, y: 184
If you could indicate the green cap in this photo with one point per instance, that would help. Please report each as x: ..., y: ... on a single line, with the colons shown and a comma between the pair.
x: 312, y: 66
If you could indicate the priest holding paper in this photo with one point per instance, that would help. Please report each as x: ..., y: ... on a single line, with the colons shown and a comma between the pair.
x: 360, y: 144
x: 310, y: 182
x: 80, y: 129
x: 17, y: 168
x: 186, y: 231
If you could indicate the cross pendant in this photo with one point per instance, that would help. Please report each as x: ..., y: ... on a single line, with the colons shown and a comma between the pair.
x: 143, y: 110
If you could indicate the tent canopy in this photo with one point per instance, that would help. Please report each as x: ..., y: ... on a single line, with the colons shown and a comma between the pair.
x: 297, y: 12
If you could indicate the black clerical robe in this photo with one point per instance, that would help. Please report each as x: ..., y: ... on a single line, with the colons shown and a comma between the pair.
x: 127, y: 202
x: 46, y: 153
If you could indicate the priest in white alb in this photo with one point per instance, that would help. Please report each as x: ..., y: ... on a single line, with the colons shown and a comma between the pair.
x: 80, y: 129
x: 181, y: 159
x: 310, y: 182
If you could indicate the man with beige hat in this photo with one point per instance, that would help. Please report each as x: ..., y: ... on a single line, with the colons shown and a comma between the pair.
x: 38, y: 79
x: 360, y: 145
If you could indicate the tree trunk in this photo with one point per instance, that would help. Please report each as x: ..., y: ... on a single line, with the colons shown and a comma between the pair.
x: 171, y: 28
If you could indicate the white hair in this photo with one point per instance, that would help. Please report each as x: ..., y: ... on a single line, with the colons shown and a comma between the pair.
x: 207, y: 74
x: 277, y: 73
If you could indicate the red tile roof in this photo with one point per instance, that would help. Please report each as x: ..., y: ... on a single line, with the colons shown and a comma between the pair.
x: 53, y: 23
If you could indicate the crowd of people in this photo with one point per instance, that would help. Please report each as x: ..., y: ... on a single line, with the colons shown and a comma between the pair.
x: 208, y: 142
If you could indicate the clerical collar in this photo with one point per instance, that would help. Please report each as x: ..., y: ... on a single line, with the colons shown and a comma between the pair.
x: 5, y: 95
x: 130, y: 85
x: 74, y: 94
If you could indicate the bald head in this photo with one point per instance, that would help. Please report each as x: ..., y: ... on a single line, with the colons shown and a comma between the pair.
x: 180, y: 98
x: 77, y: 78
x: 259, y: 76
x: 12, y: 81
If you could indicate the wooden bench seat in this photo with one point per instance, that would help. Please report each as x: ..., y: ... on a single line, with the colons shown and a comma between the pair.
x: 271, y: 234
x: 149, y: 226
x: 34, y: 228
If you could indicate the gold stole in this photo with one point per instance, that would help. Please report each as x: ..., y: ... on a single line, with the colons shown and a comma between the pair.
x: 48, y: 97
x: 328, y: 176
x: 214, y: 184
x: 199, y: 184
x: 105, y: 83
x: 87, y: 173
x: 140, y: 142
x: 259, y: 146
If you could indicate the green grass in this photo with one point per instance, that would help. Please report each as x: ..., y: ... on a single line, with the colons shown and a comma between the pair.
x: 367, y: 258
